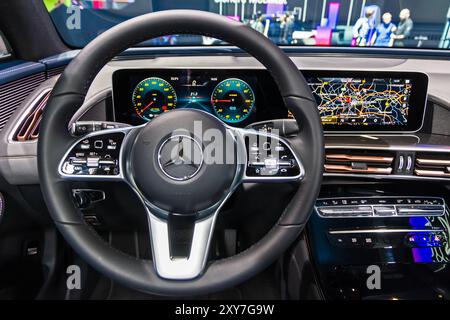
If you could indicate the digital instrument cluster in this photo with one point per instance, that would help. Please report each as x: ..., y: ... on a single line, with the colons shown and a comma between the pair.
x: 347, y: 100
x: 235, y: 97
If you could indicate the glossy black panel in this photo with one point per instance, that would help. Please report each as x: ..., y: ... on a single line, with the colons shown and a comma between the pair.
x: 411, y: 252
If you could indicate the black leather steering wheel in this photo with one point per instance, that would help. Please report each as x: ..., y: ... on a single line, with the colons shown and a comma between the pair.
x: 181, y: 191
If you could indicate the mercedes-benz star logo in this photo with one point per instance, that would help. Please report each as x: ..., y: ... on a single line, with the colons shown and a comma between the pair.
x: 180, y: 157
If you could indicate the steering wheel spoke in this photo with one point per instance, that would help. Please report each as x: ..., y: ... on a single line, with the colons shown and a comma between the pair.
x: 268, y: 157
x: 96, y: 156
x: 180, y: 244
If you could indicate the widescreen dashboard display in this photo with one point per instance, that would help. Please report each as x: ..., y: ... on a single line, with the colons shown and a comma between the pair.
x: 362, y: 101
x: 369, y: 101
x: 346, y: 100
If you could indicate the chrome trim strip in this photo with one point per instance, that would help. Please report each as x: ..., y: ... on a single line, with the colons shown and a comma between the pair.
x: 422, y: 148
x: 332, y: 168
x: 343, y: 157
x: 385, y: 230
x: 387, y: 176
x: 431, y: 173
x: 436, y: 162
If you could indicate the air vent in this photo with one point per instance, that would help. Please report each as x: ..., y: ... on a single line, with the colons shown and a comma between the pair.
x: 13, y: 93
x: 28, y: 129
x: 436, y: 165
x: 358, y: 161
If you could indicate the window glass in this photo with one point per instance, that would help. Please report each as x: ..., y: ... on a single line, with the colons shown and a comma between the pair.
x: 343, y: 23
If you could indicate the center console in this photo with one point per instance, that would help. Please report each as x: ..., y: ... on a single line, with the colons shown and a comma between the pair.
x: 402, y: 229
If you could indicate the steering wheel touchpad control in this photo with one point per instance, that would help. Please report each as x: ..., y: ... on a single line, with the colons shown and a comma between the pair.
x: 269, y: 156
x: 96, y: 155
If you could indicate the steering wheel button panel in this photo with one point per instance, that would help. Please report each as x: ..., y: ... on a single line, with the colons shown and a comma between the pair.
x: 96, y: 155
x: 270, y: 157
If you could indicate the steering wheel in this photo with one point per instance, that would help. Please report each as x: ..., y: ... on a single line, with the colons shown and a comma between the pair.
x: 174, y: 191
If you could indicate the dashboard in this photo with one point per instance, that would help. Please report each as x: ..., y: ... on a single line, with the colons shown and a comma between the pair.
x: 110, y: 99
x: 347, y: 100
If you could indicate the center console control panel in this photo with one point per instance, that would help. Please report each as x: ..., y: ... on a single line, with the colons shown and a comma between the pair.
x: 380, y: 207
x: 406, y: 236
x: 384, y: 223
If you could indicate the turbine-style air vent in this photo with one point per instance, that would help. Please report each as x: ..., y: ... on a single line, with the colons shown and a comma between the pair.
x: 436, y: 165
x: 359, y: 161
x: 29, y: 127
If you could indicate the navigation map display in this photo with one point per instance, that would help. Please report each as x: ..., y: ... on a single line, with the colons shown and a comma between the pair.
x: 364, y: 102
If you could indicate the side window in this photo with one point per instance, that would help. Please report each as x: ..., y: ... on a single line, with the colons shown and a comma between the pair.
x: 5, y: 50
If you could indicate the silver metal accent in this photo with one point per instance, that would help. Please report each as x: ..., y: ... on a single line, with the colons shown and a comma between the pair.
x: 180, y: 157
x: 383, y: 211
x: 422, y: 148
x: 384, y: 177
x: 180, y: 268
x: 409, y: 164
x: 356, y: 210
x: 92, y: 162
x: 193, y: 265
x: 401, y: 162
x: 417, y: 210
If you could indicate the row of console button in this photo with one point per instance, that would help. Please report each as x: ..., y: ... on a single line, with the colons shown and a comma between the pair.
x: 379, y: 200
x: 380, y: 207
x: 387, y: 238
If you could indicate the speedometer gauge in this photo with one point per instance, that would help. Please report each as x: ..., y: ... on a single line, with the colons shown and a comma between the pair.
x: 233, y: 100
x: 153, y: 96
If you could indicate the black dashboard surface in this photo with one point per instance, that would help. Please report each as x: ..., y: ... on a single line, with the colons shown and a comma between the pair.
x: 348, y: 101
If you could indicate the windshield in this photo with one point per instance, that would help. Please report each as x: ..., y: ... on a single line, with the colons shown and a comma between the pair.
x: 340, y: 23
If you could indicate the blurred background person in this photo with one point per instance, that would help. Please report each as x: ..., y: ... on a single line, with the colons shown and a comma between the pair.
x: 258, y: 22
x: 286, y: 27
x: 384, y: 32
x: 362, y: 27
x: 404, y: 28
